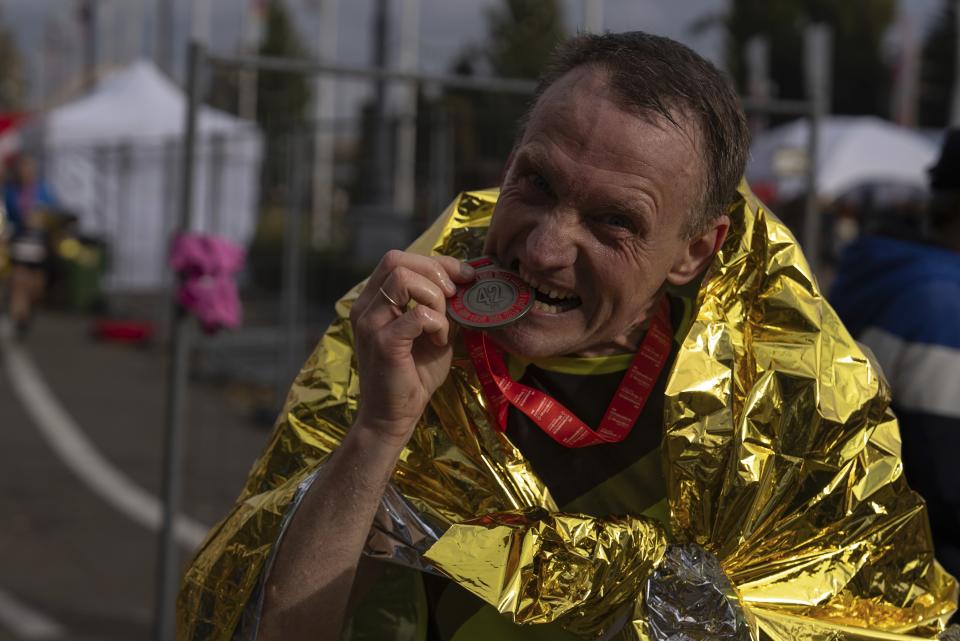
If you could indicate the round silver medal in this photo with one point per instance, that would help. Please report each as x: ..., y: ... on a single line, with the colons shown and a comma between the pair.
x: 497, y: 297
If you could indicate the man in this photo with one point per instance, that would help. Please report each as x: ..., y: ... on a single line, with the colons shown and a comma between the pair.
x: 622, y: 185
x: 901, y: 297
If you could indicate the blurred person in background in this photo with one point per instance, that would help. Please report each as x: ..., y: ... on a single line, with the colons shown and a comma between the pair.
x: 27, y: 199
x: 899, y: 294
x: 6, y: 234
x: 25, y: 192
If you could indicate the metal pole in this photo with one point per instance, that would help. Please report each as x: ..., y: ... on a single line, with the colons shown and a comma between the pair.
x: 216, y: 171
x: 292, y: 266
x: 441, y: 163
x: 46, y: 66
x: 164, y: 35
x: 101, y: 160
x: 325, y: 112
x: 172, y: 154
x: 124, y: 153
x: 775, y: 107
x: 108, y: 49
x: 168, y: 566
x: 133, y: 48
x: 593, y: 16
x: 758, y: 78
x: 816, y: 64
x: 475, y: 83
x: 88, y: 17
x: 405, y: 151
x: 955, y: 106
x: 200, y: 21
x: 253, y: 19
x: 380, y: 148
x: 248, y: 94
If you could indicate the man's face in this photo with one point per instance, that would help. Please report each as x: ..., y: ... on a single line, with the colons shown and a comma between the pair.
x: 592, y: 212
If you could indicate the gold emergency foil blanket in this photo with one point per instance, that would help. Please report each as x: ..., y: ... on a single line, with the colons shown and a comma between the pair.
x: 783, y: 459
x: 780, y: 453
x: 538, y: 567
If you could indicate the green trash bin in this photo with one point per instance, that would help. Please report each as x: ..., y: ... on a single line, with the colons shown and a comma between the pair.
x: 81, y: 263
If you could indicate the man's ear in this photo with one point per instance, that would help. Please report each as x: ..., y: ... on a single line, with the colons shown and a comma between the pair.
x: 699, y: 251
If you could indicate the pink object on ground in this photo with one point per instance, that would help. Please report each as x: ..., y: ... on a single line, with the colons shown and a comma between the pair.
x: 207, y: 265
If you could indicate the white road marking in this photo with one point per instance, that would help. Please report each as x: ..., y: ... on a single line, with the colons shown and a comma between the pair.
x: 70, y: 443
x: 25, y: 622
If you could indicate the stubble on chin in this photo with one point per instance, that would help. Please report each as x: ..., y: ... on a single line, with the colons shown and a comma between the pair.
x: 528, y: 343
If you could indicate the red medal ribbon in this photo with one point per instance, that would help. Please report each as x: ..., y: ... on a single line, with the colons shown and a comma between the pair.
x: 551, y: 416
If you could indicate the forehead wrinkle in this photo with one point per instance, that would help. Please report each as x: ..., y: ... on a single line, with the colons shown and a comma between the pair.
x: 566, y: 125
x: 564, y: 113
x: 654, y: 173
x: 570, y: 127
x: 632, y: 192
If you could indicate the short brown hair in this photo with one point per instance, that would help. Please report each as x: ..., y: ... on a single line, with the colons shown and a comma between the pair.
x: 654, y: 75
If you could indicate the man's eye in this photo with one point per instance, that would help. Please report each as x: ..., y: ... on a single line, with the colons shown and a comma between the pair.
x: 539, y: 183
x: 618, y: 220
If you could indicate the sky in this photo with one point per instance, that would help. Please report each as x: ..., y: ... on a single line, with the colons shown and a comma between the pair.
x: 446, y: 26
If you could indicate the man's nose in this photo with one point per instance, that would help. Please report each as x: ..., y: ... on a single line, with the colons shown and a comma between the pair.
x: 551, y: 244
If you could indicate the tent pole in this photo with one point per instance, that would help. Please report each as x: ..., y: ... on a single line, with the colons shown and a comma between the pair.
x: 168, y: 567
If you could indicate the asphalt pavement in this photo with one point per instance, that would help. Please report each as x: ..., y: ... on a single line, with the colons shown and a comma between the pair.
x: 74, y: 563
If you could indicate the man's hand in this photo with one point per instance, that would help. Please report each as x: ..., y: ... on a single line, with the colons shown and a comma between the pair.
x: 404, y: 355
x: 403, y: 349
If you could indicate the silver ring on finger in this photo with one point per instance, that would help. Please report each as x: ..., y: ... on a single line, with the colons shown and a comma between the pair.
x: 390, y: 300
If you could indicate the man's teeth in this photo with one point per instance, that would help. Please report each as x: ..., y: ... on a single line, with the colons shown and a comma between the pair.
x: 552, y: 293
x: 546, y: 291
x: 553, y: 309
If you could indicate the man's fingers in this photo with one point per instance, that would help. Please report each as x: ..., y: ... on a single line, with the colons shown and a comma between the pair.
x: 445, y: 271
x: 457, y: 270
x: 392, y: 301
x: 427, y: 266
x: 404, y: 286
x: 416, y: 322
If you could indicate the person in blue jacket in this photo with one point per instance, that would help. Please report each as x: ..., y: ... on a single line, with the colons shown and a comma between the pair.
x: 26, y: 197
x: 25, y: 193
x: 901, y: 297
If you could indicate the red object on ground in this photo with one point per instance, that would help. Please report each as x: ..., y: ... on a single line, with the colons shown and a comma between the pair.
x: 122, y: 331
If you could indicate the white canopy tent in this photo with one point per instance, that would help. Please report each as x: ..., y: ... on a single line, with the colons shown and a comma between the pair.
x: 852, y: 151
x: 113, y: 157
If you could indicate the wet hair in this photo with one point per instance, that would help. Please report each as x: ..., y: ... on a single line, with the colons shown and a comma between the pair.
x: 661, y: 78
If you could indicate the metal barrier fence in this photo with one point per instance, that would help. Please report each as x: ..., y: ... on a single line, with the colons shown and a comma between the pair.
x: 126, y: 196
